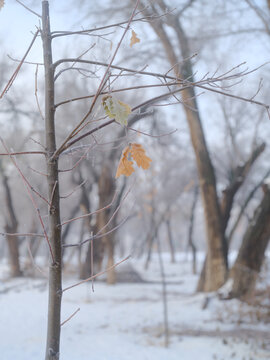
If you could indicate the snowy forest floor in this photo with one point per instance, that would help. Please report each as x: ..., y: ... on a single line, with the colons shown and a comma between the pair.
x: 125, y: 321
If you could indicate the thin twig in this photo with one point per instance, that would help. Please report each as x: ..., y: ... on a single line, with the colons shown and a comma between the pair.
x: 138, y: 87
x: 153, y: 136
x: 79, y: 32
x: 27, y: 8
x: 198, y: 84
x: 73, y: 191
x: 22, y: 234
x: 28, y: 189
x: 70, y: 317
x: 24, y: 153
x: 36, y: 93
x: 91, y: 213
x: 33, y: 262
x: 95, y: 237
x: 98, y: 274
x: 14, y: 75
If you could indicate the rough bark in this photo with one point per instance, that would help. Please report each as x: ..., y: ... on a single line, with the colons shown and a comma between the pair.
x: 55, y: 268
x: 251, y: 254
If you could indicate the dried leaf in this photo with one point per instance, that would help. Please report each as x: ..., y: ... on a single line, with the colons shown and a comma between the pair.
x: 116, y: 109
x: 125, y: 166
x: 2, y: 3
x: 138, y: 154
x: 134, y: 39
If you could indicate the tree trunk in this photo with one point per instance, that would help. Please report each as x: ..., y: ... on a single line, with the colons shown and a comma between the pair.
x: 190, y: 230
x: 170, y: 240
x: 216, y: 269
x: 11, y: 228
x: 55, y: 269
x: 251, y: 254
x: 105, y: 190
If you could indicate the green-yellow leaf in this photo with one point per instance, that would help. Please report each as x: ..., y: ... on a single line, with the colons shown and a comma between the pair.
x: 116, y: 109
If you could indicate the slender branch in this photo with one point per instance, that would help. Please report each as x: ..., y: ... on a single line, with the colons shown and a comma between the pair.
x: 70, y: 317
x: 145, y: 103
x: 23, y: 153
x: 14, y: 75
x: 36, y: 93
x: 138, y: 87
x: 73, y: 191
x: 27, y: 8
x: 153, y: 136
x: 80, y: 32
x: 91, y: 213
x: 22, y: 234
x: 199, y: 84
x: 96, y: 237
x: 96, y: 275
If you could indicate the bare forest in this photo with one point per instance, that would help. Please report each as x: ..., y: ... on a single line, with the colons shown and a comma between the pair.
x: 134, y: 179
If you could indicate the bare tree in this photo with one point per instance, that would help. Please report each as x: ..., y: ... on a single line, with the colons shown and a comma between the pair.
x: 58, y: 146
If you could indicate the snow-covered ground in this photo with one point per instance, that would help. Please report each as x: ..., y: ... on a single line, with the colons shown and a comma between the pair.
x: 125, y: 321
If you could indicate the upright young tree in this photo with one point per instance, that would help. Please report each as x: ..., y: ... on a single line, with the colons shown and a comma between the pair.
x: 115, y: 112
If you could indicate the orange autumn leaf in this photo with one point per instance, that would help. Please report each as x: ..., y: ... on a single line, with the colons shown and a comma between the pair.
x: 125, y: 166
x: 134, y: 39
x: 138, y: 154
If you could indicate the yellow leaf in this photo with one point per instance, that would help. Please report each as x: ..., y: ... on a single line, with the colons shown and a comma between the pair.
x: 116, y: 109
x: 134, y: 39
x: 138, y: 154
x: 125, y: 166
x: 2, y: 3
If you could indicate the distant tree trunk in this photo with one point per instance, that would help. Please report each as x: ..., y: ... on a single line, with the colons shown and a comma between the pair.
x: 11, y: 228
x: 244, y: 206
x: 251, y: 254
x: 216, y: 269
x: 190, y: 230
x: 170, y: 240
x: 238, y: 176
x: 105, y: 190
x: 151, y: 235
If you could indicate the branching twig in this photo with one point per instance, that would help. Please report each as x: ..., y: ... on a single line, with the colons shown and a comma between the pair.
x: 101, y: 85
x: 28, y: 189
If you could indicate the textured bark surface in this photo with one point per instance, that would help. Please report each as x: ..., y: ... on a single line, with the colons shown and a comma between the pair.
x: 251, y: 254
x: 55, y: 270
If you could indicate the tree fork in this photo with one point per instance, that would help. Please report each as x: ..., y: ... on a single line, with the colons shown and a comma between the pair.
x: 55, y: 270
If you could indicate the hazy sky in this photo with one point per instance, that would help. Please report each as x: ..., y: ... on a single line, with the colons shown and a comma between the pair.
x: 17, y: 25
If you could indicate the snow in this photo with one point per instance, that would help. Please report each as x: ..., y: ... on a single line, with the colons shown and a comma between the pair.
x: 125, y: 321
